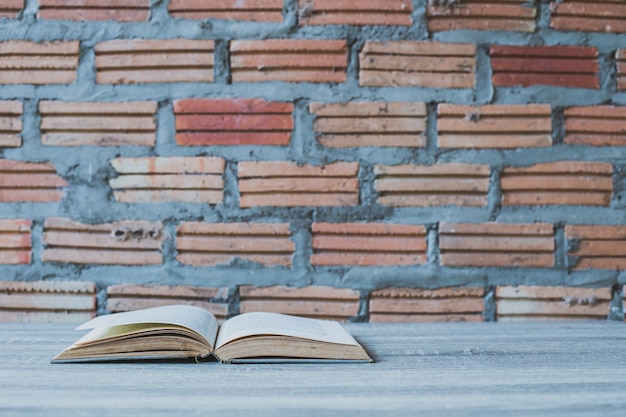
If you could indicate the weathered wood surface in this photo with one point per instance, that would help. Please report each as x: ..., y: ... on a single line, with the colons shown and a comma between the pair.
x: 452, y: 369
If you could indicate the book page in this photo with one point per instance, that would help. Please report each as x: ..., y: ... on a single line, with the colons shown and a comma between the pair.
x: 257, y: 324
x: 193, y: 318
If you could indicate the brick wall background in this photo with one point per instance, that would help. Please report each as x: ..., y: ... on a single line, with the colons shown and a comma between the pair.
x: 382, y: 160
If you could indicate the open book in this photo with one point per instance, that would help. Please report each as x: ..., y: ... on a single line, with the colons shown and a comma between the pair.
x: 181, y: 331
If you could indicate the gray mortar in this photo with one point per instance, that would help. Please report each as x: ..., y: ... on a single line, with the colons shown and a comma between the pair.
x: 87, y: 168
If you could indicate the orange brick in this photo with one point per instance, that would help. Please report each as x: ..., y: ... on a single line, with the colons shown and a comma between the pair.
x: 182, y: 179
x: 98, y: 124
x: 10, y: 124
x: 47, y: 301
x: 315, y: 302
x: 559, y: 66
x: 24, y: 62
x: 363, y: 12
x: 210, y: 244
x: 289, y: 60
x: 10, y: 8
x: 119, y: 10
x: 119, y: 243
x: 435, y: 185
x: 368, y: 244
x: 597, y: 247
x: 621, y: 69
x: 595, y: 126
x: 551, y: 303
x: 497, y: 244
x: 282, y: 183
x: 15, y: 241
x: 512, y: 15
x: 201, y: 122
x: 250, y: 10
x: 421, y: 305
x: 494, y: 126
x: 589, y: 16
x: 417, y: 63
x: 128, y: 297
x: 138, y: 61
x: 565, y: 182
x: 356, y: 124
x: 29, y: 182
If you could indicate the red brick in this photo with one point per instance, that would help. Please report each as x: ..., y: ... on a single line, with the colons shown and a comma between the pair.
x: 29, y: 182
x: 494, y: 126
x: 435, y: 185
x: 128, y: 297
x: 565, y: 182
x: 289, y: 60
x: 496, y: 244
x: 201, y: 122
x: 210, y: 244
x: 24, y: 62
x: 10, y: 8
x: 420, y: 305
x: 597, y: 247
x: 118, y: 10
x: 363, y: 12
x: 315, y: 302
x: 621, y: 69
x: 595, y: 126
x: 513, y: 15
x: 10, y: 124
x: 559, y: 66
x: 15, y: 241
x: 368, y: 244
x: 249, y: 10
x: 182, y: 179
x: 98, y: 124
x: 551, y: 303
x: 138, y: 61
x: 283, y: 183
x: 119, y: 243
x: 589, y: 16
x: 356, y: 124
x: 417, y: 63
x: 47, y: 301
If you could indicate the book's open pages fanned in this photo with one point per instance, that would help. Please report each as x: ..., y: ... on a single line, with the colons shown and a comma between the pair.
x: 181, y: 331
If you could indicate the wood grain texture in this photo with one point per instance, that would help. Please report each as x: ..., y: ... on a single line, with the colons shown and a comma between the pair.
x: 162, y: 179
x: 119, y: 10
x: 364, y: 12
x: 496, y: 244
x: 210, y: 244
x: 558, y: 66
x: 315, y: 301
x: 417, y: 63
x: 98, y: 124
x: 512, y: 15
x: 434, y: 185
x: 119, y: 243
x: 596, y: 247
x: 46, y: 301
x: 556, y: 303
x: 24, y: 62
x: 558, y: 183
x: 154, y: 61
x: 201, y: 122
x: 588, y: 16
x: 494, y: 126
x: 249, y: 10
x: 370, y: 124
x: 277, y: 183
x: 367, y: 244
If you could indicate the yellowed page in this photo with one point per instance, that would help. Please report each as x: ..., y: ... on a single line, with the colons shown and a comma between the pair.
x: 193, y: 318
x: 257, y: 324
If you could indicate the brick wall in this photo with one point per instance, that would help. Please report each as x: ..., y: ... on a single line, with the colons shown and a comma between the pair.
x: 388, y: 160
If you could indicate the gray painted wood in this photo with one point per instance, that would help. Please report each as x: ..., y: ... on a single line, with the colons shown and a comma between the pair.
x: 452, y: 369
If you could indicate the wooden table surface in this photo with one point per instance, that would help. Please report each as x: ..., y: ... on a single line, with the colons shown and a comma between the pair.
x: 451, y: 369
